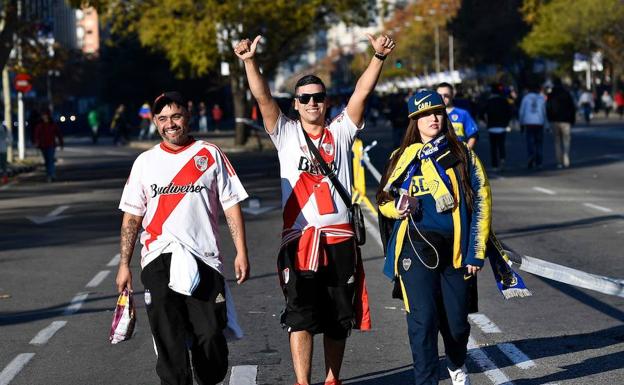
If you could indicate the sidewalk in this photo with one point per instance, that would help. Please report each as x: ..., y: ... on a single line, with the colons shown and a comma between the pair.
x: 30, y: 162
x: 257, y: 141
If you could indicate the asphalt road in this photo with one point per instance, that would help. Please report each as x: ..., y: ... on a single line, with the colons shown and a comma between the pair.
x: 57, y: 283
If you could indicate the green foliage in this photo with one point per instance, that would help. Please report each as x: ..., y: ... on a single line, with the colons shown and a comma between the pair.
x: 563, y: 27
x: 196, y: 35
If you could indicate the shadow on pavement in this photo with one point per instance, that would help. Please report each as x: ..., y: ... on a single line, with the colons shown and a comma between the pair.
x: 551, y: 227
x: 7, y: 318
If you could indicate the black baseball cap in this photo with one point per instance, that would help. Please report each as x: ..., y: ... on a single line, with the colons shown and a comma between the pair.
x: 167, y: 98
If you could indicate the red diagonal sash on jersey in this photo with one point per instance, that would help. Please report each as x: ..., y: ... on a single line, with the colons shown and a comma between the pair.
x: 298, y: 198
x: 189, y: 174
x: 304, y: 187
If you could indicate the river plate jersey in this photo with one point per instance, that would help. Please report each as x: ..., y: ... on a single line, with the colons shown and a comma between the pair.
x: 465, y: 127
x: 178, y: 194
x: 308, y: 198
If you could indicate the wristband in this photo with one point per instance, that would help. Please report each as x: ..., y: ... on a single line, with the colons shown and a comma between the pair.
x: 380, y: 56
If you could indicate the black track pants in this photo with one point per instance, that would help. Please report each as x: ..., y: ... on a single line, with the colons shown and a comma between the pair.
x: 178, y: 320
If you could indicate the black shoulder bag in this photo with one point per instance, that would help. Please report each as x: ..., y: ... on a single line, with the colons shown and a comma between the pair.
x: 355, y: 211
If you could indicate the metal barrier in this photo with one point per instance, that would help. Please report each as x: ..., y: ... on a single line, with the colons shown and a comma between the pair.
x: 536, y: 266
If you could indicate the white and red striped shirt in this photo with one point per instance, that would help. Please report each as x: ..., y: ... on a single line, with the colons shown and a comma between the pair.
x: 178, y: 194
x: 300, y: 175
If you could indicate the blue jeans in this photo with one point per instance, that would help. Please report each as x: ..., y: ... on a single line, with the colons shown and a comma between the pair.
x: 535, y: 140
x: 48, y: 157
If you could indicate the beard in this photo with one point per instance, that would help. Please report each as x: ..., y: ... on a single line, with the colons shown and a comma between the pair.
x: 180, y: 138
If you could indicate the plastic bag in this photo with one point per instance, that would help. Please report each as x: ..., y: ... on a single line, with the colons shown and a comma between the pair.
x: 124, y: 318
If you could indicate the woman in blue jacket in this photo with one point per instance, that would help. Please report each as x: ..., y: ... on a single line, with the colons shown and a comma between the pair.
x: 436, y: 190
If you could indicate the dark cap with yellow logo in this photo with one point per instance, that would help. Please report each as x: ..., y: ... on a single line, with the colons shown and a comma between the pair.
x: 423, y: 101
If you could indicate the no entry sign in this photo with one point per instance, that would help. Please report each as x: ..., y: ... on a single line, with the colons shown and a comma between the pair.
x: 23, y: 83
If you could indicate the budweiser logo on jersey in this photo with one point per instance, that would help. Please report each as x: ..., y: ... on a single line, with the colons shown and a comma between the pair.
x: 313, y: 168
x: 201, y: 162
x: 171, y: 189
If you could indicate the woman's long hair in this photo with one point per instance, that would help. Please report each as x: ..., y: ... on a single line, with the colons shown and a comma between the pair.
x: 412, y: 135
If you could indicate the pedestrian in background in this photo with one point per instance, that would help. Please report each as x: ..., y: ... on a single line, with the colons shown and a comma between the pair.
x: 619, y: 103
x: 586, y: 104
x: 202, y: 122
x: 6, y: 141
x: 145, y: 115
x: 119, y: 126
x: 174, y: 192
x: 532, y: 117
x: 46, y: 136
x: 561, y: 113
x: 255, y: 114
x: 434, y: 265
x: 93, y: 118
x: 319, y: 263
x: 190, y: 107
x: 607, y: 102
x: 217, y: 116
x: 465, y: 127
x: 497, y: 116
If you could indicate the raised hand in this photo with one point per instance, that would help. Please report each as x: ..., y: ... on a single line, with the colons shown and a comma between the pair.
x: 246, y: 49
x: 383, y: 44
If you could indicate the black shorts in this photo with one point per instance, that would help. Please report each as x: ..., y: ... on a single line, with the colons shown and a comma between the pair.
x: 322, y: 301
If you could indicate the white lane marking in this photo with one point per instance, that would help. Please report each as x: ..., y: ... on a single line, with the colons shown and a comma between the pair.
x: 45, y: 334
x: 244, y: 375
x: 57, y: 211
x: 14, y: 367
x: 114, y: 261
x: 52, y: 216
x: 75, y: 304
x: 481, y: 359
x: 98, y: 278
x: 544, y: 190
x: 484, y: 323
x: 599, y: 208
x: 516, y: 356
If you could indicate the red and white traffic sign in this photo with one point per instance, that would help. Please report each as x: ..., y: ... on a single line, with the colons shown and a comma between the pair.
x: 23, y: 82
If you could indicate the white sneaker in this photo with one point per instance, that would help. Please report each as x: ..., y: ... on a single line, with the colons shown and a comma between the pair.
x: 460, y: 376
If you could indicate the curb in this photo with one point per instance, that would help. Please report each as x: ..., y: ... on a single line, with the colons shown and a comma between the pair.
x: 16, y: 169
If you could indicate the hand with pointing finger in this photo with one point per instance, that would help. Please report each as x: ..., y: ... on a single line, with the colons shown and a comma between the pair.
x: 383, y: 44
x: 246, y: 49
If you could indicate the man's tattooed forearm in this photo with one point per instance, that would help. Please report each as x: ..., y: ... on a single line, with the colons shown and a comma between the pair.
x: 129, y: 233
x: 232, y: 225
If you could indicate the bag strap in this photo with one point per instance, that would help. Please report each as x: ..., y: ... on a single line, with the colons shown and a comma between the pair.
x: 326, y: 171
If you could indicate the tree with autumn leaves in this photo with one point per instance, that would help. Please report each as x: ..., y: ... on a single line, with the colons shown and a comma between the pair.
x: 414, y: 29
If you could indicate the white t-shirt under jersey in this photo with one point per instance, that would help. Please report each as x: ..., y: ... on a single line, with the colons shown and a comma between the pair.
x: 178, y: 194
x: 300, y: 172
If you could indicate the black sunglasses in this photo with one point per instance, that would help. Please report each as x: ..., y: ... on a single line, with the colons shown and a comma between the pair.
x: 319, y: 97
